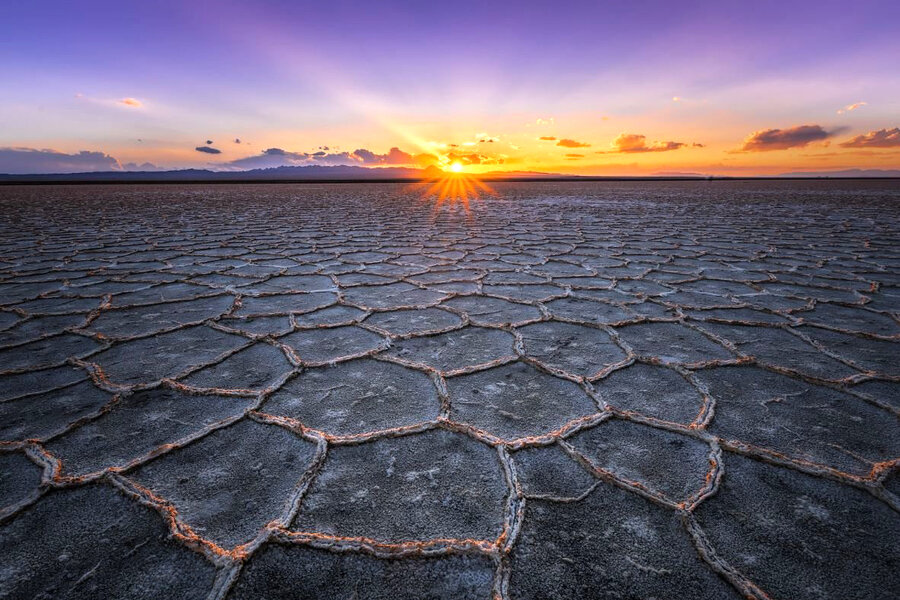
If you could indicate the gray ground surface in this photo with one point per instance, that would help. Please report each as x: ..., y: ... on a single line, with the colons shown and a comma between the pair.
x: 616, y: 390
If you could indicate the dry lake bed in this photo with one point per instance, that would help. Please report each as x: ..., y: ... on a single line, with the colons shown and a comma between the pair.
x: 644, y: 390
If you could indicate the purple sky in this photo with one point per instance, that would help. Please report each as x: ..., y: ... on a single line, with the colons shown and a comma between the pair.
x: 436, y: 78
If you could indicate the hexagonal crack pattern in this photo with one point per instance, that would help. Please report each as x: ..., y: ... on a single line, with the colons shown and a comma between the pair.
x: 342, y: 391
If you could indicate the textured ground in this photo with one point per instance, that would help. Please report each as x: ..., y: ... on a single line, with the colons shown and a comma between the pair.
x: 635, y: 391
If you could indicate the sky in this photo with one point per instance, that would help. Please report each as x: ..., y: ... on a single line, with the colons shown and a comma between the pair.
x: 604, y: 88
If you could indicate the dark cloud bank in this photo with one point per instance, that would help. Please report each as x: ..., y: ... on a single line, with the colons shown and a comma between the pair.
x: 277, y: 157
x: 803, y: 135
x: 29, y: 160
x: 782, y: 139
x: 883, y: 138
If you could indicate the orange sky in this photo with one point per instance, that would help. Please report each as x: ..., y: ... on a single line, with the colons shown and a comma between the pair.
x: 757, y: 88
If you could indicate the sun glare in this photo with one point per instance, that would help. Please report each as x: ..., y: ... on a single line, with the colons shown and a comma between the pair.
x: 454, y: 187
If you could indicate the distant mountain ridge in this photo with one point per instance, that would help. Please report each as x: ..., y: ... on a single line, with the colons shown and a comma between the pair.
x: 273, y: 173
x: 358, y: 173
x: 846, y: 173
x: 287, y: 173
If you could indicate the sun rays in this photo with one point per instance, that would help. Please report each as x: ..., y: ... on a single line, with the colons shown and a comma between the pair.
x: 454, y: 187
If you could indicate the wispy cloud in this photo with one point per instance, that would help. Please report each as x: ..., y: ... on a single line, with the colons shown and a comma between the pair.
x: 208, y: 150
x: 781, y: 139
x: 883, y: 138
x: 547, y: 138
x: 851, y: 107
x: 567, y: 143
x: 30, y: 160
x: 634, y: 143
x: 122, y: 103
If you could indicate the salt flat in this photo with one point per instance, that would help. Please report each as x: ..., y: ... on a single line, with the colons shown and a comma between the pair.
x: 563, y: 390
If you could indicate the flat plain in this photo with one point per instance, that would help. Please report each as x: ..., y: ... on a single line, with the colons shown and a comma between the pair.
x: 669, y: 390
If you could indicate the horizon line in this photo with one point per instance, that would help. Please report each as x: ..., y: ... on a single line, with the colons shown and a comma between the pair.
x: 54, y: 179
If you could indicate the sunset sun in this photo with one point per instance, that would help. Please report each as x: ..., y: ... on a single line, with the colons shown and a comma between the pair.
x: 454, y: 186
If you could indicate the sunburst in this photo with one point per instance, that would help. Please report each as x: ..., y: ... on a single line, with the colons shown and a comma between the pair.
x: 455, y: 187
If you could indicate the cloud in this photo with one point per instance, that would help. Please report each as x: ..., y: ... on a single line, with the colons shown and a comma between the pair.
x: 634, y: 143
x: 547, y: 138
x: 335, y: 158
x: 851, y: 107
x: 237, y: 140
x: 484, y: 138
x: 208, y: 150
x: 271, y: 157
x: 474, y: 158
x: 883, y: 138
x: 395, y: 156
x: 127, y: 103
x: 209, y: 142
x: 425, y: 159
x: 574, y: 155
x: 30, y: 160
x: 277, y: 157
x: 781, y: 139
x: 567, y: 143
